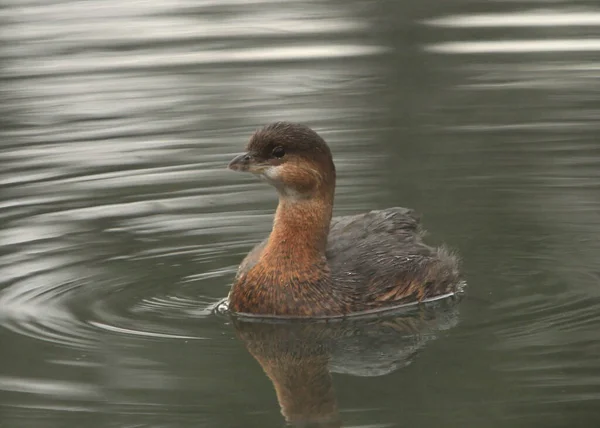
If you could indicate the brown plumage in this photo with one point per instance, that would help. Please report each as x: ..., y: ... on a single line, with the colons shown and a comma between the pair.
x: 313, y: 265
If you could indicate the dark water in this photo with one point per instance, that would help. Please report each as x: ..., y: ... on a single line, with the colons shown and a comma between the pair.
x: 120, y: 226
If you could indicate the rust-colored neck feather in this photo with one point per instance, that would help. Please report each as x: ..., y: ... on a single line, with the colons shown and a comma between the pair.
x: 300, y: 230
x: 302, y: 219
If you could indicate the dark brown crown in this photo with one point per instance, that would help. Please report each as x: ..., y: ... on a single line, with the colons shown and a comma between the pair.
x: 295, y: 138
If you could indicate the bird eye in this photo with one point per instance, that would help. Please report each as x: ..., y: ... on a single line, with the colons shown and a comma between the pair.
x: 278, y: 152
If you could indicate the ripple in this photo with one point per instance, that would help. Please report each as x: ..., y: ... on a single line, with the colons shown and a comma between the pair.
x: 516, y: 46
x: 37, y: 305
x: 83, y: 64
x: 528, y: 19
x: 119, y: 31
x: 443, y: 300
x: 62, y: 389
x: 55, y: 308
x: 556, y: 323
x: 126, y: 331
x: 59, y: 290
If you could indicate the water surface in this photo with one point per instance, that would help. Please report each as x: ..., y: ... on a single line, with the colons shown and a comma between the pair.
x: 120, y: 226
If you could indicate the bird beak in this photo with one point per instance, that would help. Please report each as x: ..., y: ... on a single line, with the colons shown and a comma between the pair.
x: 240, y: 162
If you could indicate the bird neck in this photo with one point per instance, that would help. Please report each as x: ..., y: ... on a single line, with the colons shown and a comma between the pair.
x: 300, y: 229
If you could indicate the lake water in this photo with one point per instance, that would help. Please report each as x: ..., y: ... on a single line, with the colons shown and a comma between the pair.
x: 120, y: 226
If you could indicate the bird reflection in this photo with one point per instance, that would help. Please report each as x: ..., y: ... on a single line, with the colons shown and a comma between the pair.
x: 299, y: 356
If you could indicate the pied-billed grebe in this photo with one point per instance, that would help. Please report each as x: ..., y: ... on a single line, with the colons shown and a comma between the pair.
x: 313, y: 265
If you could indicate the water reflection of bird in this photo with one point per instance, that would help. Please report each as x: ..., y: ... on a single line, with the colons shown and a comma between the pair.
x: 312, y: 265
x: 299, y: 356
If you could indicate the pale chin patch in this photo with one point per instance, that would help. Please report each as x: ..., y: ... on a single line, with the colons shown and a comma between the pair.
x: 272, y: 176
x: 271, y: 173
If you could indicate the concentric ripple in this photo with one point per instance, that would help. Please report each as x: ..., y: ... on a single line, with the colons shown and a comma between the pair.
x: 120, y: 227
x: 118, y: 214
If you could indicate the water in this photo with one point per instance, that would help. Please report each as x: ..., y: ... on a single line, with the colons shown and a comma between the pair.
x: 120, y: 227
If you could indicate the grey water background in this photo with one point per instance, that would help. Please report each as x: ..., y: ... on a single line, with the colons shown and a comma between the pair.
x: 120, y: 226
